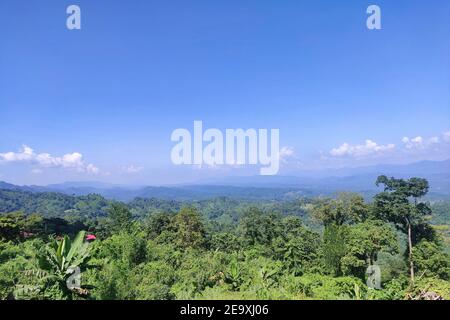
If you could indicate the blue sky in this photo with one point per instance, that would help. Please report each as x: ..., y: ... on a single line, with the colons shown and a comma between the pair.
x: 109, y: 95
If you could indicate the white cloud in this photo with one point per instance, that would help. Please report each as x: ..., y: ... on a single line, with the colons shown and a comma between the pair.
x: 420, y: 143
x: 369, y: 148
x: 90, y: 168
x: 132, y: 169
x: 446, y: 136
x: 26, y: 154
x: 411, y: 143
x: 410, y: 149
x: 286, y: 153
x: 45, y: 160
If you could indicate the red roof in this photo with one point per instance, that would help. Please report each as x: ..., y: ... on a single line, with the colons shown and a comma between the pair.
x: 91, y: 237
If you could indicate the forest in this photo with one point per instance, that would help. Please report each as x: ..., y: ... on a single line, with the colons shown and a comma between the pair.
x: 62, y: 247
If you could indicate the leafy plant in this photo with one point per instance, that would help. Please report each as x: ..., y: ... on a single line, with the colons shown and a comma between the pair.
x: 56, y: 263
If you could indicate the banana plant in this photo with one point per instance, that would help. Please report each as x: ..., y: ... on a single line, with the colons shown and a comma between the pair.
x: 63, y: 256
x: 267, y: 275
x: 57, y: 264
x: 233, y: 274
x: 63, y: 259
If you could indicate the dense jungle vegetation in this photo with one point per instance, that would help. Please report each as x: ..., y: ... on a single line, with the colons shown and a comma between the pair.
x: 222, y: 248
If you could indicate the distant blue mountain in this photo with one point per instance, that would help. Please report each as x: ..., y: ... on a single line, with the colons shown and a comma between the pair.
x: 359, y: 178
x: 308, y: 184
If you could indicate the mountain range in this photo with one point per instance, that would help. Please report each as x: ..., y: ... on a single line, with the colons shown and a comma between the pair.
x: 325, y: 182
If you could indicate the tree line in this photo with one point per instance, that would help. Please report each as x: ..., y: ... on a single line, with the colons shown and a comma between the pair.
x: 263, y: 252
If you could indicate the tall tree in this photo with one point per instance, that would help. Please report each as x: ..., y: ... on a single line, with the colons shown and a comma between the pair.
x: 257, y: 227
x: 189, y: 229
x: 334, y: 247
x: 335, y: 215
x: 119, y: 217
x: 364, y: 241
x: 346, y: 208
x: 399, y: 203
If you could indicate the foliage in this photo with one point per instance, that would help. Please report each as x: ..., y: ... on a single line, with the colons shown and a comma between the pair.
x: 429, y: 287
x: 324, y: 287
x: 363, y: 244
x: 119, y: 217
x: 224, y: 248
x: 431, y: 261
x: 394, y: 205
x: 346, y: 208
x: 189, y: 229
x: 15, y: 226
x: 55, y: 264
x: 334, y: 248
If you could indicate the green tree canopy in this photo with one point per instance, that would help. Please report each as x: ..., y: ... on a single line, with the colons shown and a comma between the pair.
x: 394, y: 205
x: 346, y: 208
